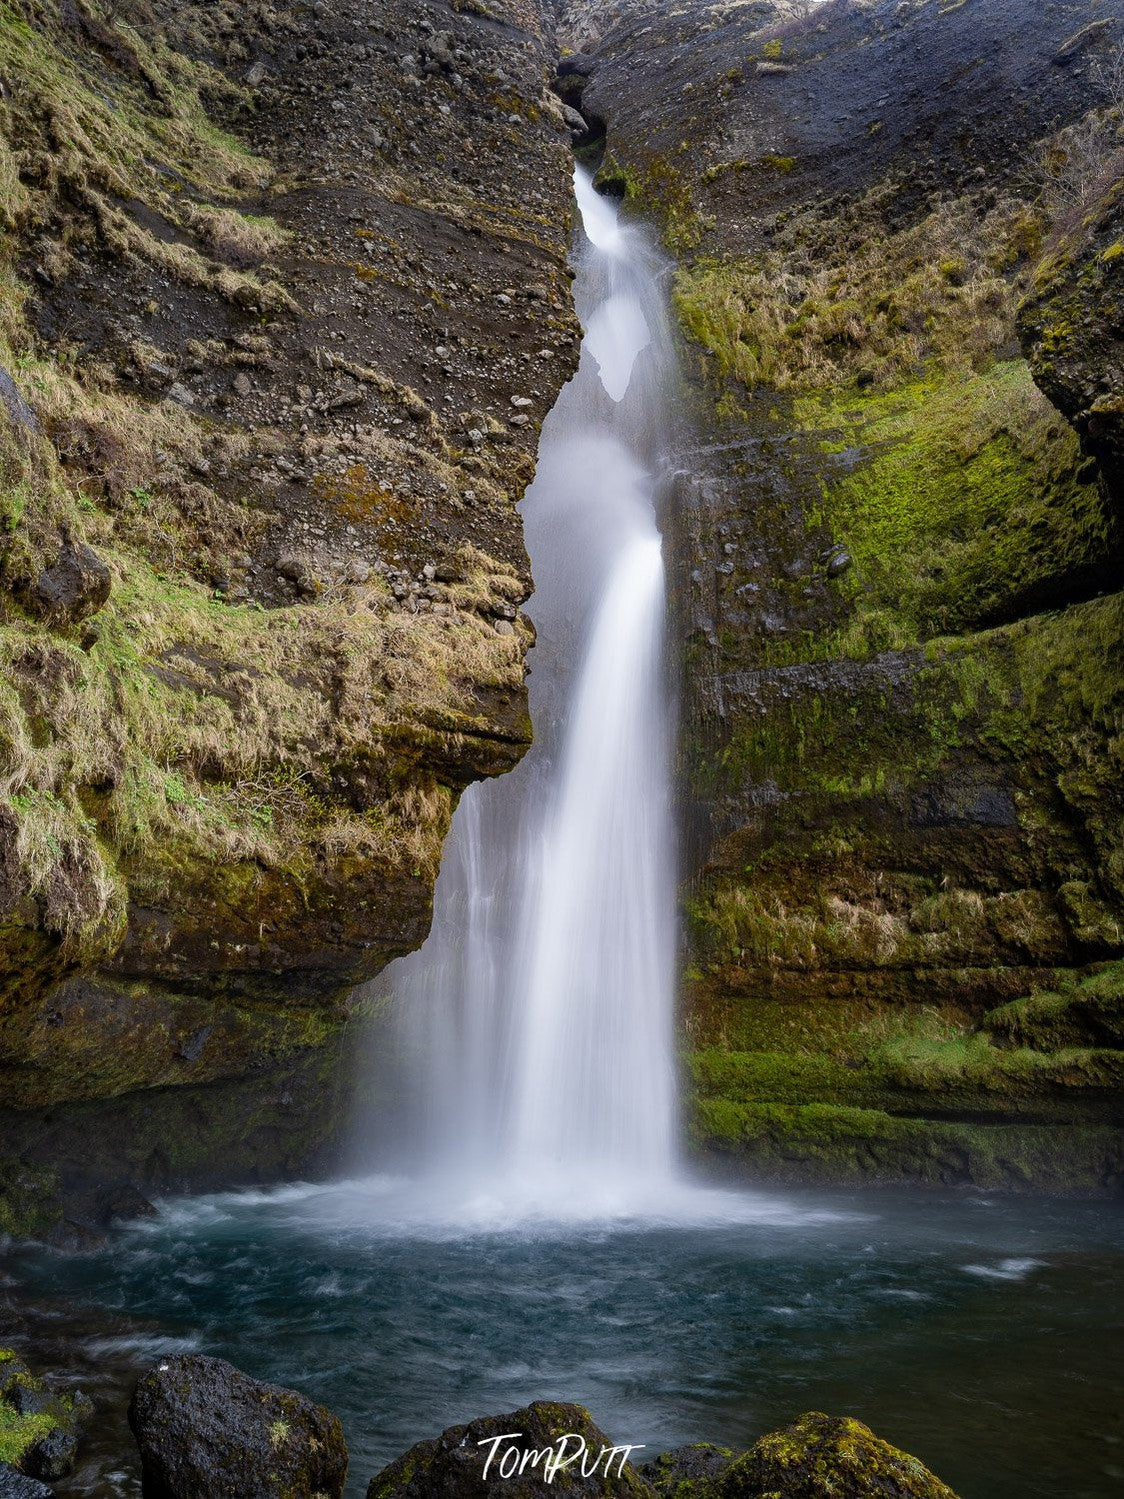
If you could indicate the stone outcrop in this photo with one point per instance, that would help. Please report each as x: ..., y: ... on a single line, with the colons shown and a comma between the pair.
x: 515, y: 1450
x: 688, y: 1472
x: 39, y: 1429
x: 207, y: 1431
x: 828, y: 1457
x: 274, y: 275
x: 17, y: 1485
x: 816, y: 1457
x: 898, y: 570
x: 1072, y: 321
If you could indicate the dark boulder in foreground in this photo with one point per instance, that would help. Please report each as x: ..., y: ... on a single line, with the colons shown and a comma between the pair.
x: 828, y: 1457
x: 688, y: 1472
x: 508, y: 1456
x: 16, y: 1485
x: 208, y: 1431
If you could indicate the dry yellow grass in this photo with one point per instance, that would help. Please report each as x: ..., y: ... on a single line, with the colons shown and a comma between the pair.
x: 870, y: 307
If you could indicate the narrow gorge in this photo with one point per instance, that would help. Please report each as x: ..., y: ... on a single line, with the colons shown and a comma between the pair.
x: 561, y: 778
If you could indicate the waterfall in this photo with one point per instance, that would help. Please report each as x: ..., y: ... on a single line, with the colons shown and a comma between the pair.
x: 537, y: 1021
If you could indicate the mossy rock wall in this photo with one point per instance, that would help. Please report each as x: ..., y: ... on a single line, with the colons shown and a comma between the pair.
x: 897, y: 565
x: 259, y: 335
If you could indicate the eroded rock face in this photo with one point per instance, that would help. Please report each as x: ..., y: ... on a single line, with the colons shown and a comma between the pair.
x: 208, y: 1431
x: 1072, y: 326
x: 897, y: 574
x: 828, y: 1457
x: 290, y: 427
x: 516, y: 1450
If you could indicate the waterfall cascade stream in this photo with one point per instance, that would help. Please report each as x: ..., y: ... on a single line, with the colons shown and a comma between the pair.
x: 541, y: 1242
x: 538, y: 1017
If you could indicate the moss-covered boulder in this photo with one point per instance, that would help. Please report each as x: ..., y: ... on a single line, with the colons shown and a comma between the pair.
x: 39, y: 1429
x: 547, y: 1447
x: 208, y: 1431
x: 690, y: 1472
x: 828, y: 1457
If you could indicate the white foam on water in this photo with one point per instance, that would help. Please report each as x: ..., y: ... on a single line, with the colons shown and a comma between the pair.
x: 1009, y: 1269
x: 428, y: 1208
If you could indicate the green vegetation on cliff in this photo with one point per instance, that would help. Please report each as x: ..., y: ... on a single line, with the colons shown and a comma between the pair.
x: 901, y: 602
x: 838, y: 300
x: 962, y: 499
x: 152, y: 736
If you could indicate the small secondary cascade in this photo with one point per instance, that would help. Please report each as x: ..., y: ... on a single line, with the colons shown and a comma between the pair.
x: 537, y: 1020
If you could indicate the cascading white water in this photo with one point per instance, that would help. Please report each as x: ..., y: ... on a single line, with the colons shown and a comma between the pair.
x: 538, y: 1017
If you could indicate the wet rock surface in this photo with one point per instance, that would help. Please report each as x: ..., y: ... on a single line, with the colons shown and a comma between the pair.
x: 881, y: 754
x: 688, y: 1472
x: 516, y: 1449
x: 828, y: 1457
x: 16, y: 1485
x: 816, y: 1457
x: 207, y: 1430
x: 40, y: 1429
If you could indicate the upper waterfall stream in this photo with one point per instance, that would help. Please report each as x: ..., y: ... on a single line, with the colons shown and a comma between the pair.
x: 537, y: 1020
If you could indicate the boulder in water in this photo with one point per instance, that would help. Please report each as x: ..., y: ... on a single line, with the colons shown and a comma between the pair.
x: 39, y: 1429
x: 828, y: 1457
x: 690, y: 1472
x: 207, y: 1431
x: 548, y: 1447
x: 17, y: 1485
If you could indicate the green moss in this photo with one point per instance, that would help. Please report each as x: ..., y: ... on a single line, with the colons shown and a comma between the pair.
x: 961, y: 500
x: 833, y: 1142
x: 29, y: 1206
x: 939, y: 1074
x: 890, y: 729
x: 822, y: 1457
x: 19, y: 1433
x: 655, y: 185
x: 835, y: 303
x: 1086, y: 1011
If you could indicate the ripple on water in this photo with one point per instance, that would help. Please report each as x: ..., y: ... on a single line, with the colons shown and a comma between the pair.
x: 715, y: 1318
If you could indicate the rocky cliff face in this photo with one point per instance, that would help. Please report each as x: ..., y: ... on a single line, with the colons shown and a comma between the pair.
x: 283, y: 299
x: 899, y: 566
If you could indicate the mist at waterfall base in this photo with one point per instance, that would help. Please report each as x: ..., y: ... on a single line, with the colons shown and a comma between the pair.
x: 532, y: 1235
